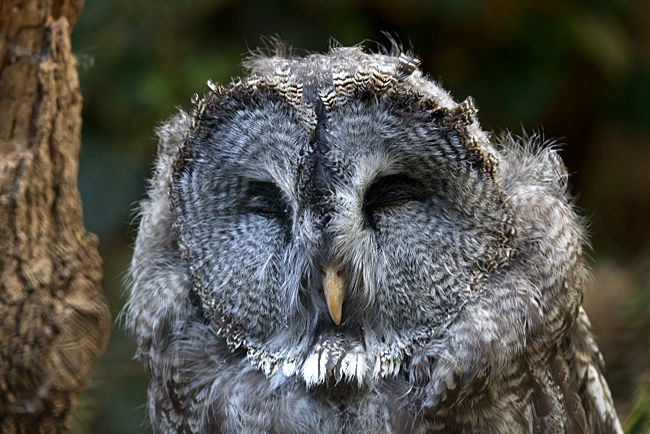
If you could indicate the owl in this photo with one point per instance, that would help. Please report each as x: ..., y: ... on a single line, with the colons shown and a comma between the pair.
x: 332, y: 244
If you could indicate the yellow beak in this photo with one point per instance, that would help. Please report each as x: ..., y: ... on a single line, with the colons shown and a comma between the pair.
x: 333, y: 286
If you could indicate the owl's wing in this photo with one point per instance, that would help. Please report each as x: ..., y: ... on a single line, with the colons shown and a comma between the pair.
x: 593, y: 390
x: 521, y: 356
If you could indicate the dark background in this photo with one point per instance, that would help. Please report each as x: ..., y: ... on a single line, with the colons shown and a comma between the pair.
x: 576, y: 71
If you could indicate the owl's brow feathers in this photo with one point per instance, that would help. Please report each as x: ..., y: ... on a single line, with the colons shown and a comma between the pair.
x: 345, y: 86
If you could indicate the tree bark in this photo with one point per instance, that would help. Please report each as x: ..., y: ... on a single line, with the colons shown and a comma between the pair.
x: 54, y: 320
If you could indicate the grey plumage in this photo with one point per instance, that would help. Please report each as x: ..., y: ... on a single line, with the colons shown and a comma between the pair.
x: 460, y: 253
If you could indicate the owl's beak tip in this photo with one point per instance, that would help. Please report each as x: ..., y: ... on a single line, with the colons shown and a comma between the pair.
x: 333, y: 287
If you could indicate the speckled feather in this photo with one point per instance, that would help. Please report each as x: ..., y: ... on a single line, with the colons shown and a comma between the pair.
x: 461, y: 253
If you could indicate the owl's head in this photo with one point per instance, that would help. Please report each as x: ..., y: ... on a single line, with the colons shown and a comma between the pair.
x: 330, y: 215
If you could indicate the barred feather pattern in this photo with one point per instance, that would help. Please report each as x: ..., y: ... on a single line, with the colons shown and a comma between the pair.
x: 461, y: 253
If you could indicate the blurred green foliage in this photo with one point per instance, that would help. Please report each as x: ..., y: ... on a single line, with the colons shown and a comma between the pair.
x: 576, y: 70
x: 638, y: 422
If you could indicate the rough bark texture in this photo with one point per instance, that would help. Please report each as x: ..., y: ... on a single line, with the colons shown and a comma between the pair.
x: 54, y: 320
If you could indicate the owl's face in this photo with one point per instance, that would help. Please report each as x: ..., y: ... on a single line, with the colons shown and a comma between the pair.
x: 332, y: 222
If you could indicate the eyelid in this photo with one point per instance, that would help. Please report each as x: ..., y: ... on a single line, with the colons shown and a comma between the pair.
x: 392, y: 190
x: 394, y: 187
x: 262, y: 187
x: 264, y: 197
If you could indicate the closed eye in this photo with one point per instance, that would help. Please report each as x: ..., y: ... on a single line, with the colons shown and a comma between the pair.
x: 391, y: 191
x: 266, y: 199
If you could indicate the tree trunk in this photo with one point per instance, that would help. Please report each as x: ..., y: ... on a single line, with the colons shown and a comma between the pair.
x: 54, y: 320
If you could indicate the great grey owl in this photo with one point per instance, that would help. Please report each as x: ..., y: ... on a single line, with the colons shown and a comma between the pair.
x: 332, y: 244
